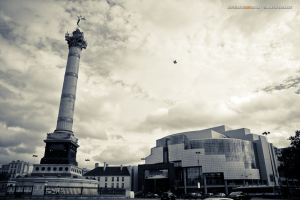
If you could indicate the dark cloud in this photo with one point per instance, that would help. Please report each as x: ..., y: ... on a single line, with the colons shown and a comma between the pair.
x: 6, y: 94
x: 6, y: 31
x: 117, y: 137
x: 17, y: 144
x: 135, y: 89
x: 22, y: 150
x: 287, y: 84
x: 108, y: 32
x: 116, y: 155
x: 279, y: 140
x: 30, y: 117
x: 16, y: 137
x: 11, y: 140
x: 89, y: 130
x: 184, y: 116
x: 257, y: 112
x: 14, y: 78
x: 3, y: 151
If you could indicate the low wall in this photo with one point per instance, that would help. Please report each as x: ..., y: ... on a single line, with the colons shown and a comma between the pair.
x: 63, y: 197
x: 53, y: 192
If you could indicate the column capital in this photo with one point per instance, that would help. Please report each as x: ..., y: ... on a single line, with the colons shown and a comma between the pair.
x: 76, y: 39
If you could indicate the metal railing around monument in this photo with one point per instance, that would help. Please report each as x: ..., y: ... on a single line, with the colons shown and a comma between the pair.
x: 19, y: 190
x: 52, y: 190
x: 64, y: 190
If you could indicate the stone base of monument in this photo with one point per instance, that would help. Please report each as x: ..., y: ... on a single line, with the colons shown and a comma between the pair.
x: 53, y: 178
x: 57, y: 170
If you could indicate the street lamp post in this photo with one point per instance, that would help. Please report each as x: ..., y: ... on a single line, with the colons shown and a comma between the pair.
x: 34, y: 156
x: 198, y: 152
x: 199, y: 176
x: 87, y: 160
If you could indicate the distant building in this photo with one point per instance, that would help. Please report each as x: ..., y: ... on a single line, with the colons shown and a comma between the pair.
x: 5, y: 168
x: 217, y: 159
x: 16, y: 168
x: 111, y: 177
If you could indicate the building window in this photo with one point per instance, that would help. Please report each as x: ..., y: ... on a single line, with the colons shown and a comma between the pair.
x: 117, y: 185
x: 98, y: 178
x: 112, y: 178
x: 112, y: 185
x: 105, y: 185
x: 123, y: 178
x: 117, y: 178
x: 177, y: 164
x: 214, y: 179
x: 105, y: 178
x: 193, y: 176
x: 122, y: 185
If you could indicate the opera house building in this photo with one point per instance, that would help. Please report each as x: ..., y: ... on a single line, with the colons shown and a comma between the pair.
x: 213, y: 160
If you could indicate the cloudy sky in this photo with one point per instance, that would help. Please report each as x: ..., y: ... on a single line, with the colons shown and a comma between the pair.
x: 238, y: 67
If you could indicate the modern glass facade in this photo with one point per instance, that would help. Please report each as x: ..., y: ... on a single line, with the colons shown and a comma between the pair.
x: 193, y: 176
x: 217, y: 159
x: 234, y: 150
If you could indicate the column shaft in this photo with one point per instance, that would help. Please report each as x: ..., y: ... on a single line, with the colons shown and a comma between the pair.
x: 68, y: 96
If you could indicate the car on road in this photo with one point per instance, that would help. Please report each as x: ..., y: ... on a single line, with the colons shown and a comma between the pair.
x: 192, y: 195
x: 217, y: 198
x: 220, y: 195
x: 168, y: 196
x: 151, y: 196
x: 239, y: 196
x: 207, y: 195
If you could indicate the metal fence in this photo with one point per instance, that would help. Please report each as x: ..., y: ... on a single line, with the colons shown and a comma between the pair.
x: 19, y: 190
x: 53, y: 190
x: 63, y: 190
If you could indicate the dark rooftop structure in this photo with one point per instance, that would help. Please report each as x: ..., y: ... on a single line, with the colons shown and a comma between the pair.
x: 108, y: 171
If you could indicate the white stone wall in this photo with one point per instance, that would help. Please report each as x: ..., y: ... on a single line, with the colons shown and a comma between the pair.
x: 102, y: 182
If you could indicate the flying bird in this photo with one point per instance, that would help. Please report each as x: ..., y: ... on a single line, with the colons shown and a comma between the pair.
x: 175, y: 62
